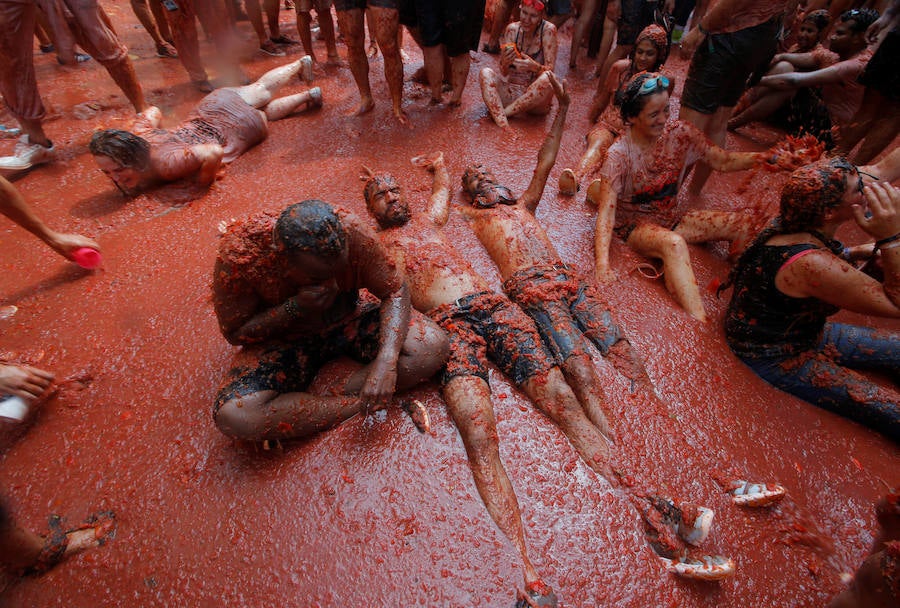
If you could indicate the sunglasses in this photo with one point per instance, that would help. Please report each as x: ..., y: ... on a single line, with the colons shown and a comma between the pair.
x: 653, y: 84
x: 535, y: 4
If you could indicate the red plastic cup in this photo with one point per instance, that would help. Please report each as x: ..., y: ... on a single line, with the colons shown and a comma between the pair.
x: 87, y: 258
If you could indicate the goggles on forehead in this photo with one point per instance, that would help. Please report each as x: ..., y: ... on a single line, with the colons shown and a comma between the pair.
x: 653, y: 84
x: 535, y: 4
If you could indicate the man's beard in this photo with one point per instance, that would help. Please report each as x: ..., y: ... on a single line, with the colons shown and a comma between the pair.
x: 395, y: 216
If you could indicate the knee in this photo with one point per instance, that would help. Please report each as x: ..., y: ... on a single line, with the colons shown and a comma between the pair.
x: 430, y: 349
x: 241, y: 417
x: 673, y: 245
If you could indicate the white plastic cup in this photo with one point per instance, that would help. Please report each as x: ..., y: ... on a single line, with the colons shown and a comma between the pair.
x: 13, y: 408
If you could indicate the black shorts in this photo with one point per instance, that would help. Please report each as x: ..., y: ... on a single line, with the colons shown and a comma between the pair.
x: 487, y: 325
x: 346, y: 5
x: 636, y: 15
x: 723, y: 64
x: 291, y: 368
x: 881, y: 73
x: 456, y: 25
x: 565, y: 309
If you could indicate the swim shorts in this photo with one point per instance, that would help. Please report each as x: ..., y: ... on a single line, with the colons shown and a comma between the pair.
x: 565, y: 309
x: 881, y: 72
x: 346, y: 5
x: 291, y: 368
x: 456, y: 25
x: 636, y: 15
x: 724, y: 63
x: 486, y: 325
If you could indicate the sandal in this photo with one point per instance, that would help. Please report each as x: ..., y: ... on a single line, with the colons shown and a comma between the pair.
x: 695, y: 523
x: 306, y: 68
x: 56, y: 543
x: 752, y: 494
x: 707, y: 568
x: 593, y: 193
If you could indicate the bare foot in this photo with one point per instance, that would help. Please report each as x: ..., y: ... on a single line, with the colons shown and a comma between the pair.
x: 401, y: 116
x: 365, y: 106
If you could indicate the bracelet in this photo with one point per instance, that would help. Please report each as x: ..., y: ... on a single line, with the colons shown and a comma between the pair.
x: 879, y: 244
x: 291, y: 309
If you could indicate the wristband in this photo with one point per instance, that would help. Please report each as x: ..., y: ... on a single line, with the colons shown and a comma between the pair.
x: 879, y: 244
x: 702, y: 29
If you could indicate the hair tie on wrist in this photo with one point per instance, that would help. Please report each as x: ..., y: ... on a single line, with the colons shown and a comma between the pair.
x: 880, y: 243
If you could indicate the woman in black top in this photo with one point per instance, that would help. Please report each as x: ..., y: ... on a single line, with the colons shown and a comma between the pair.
x: 796, y: 274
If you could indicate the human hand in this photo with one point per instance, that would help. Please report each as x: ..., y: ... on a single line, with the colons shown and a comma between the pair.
x: 66, y: 244
x: 379, y: 386
x: 880, y: 217
x: 429, y: 162
x: 24, y: 381
x: 875, y: 29
x: 779, y: 82
x: 792, y: 153
x: 559, y: 89
x: 509, y: 52
x: 317, y: 297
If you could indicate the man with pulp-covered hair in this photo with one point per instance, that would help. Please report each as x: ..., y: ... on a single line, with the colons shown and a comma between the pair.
x: 302, y: 288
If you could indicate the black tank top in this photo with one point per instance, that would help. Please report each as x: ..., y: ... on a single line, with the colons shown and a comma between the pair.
x: 763, y: 320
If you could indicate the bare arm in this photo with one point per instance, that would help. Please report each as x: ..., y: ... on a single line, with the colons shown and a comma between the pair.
x: 888, y: 168
x: 547, y: 154
x: 798, y: 80
x: 726, y: 162
x: 439, y: 205
x: 23, y: 381
x: 606, y: 218
x: 13, y: 206
x: 830, y: 279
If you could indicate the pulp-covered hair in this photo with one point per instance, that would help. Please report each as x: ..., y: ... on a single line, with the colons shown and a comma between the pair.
x: 311, y: 226
x: 819, y: 18
x: 658, y: 37
x: 375, y: 182
x: 124, y: 147
x: 862, y: 18
x: 808, y: 195
x: 633, y: 99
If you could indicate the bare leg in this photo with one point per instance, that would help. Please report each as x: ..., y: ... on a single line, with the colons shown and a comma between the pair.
x: 609, y: 34
x: 352, y: 23
x: 764, y: 100
x: 34, y: 129
x: 468, y: 400
x: 268, y: 415
x: 657, y: 242
x: 599, y: 140
x: 159, y: 17
x: 704, y: 226
x: 326, y: 28
x: 304, y: 19
x: 552, y: 396
x: 585, y: 18
x: 459, y: 74
x: 122, y: 72
x: 261, y: 92
x: 877, y: 121
x: 537, y: 98
x: 285, y: 106
x: 714, y: 126
x: 490, y: 92
x: 586, y: 384
x: 386, y: 23
x: 434, y: 67
x: 272, y: 8
x: 501, y: 19
x: 254, y: 12
x: 423, y: 353
x: 142, y: 12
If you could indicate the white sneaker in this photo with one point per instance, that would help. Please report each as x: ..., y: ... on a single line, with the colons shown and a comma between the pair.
x: 26, y: 156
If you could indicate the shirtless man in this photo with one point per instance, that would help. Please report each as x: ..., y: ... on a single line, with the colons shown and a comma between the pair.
x: 482, y: 325
x: 288, y: 289
x: 226, y: 123
x: 569, y: 312
x: 385, y: 19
